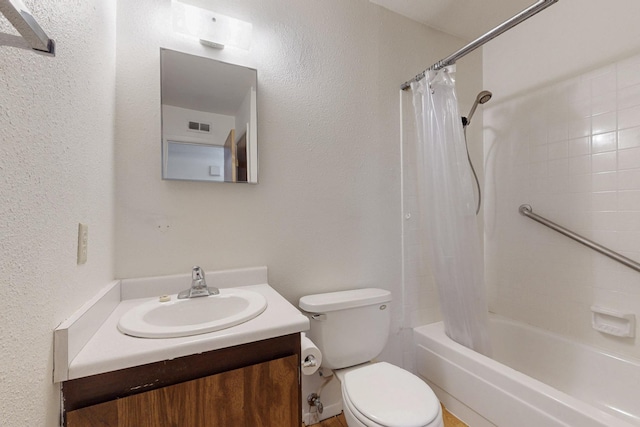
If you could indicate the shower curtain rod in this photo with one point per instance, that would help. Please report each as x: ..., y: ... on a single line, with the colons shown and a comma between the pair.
x: 507, y: 25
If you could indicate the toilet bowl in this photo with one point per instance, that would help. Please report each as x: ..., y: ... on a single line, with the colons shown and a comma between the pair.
x: 351, y: 328
x: 384, y: 395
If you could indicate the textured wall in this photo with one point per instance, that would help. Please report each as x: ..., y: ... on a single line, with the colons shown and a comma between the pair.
x: 326, y: 214
x: 570, y: 147
x: 56, y: 169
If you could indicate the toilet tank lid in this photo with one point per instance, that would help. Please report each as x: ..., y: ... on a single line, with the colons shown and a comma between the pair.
x: 333, y: 301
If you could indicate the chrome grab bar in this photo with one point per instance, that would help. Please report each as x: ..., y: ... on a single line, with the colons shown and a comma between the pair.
x: 527, y: 211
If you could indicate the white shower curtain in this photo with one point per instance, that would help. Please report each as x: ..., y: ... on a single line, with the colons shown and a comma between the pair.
x: 447, y: 210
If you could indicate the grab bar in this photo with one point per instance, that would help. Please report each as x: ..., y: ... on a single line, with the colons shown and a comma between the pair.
x: 527, y: 211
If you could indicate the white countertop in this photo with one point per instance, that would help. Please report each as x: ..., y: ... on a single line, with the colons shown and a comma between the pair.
x: 109, y: 349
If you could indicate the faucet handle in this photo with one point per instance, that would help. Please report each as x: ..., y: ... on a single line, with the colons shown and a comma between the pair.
x: 199, y: 286
x: 197, y: 273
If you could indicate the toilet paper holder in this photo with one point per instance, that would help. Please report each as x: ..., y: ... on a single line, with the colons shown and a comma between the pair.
x: 309, y: 361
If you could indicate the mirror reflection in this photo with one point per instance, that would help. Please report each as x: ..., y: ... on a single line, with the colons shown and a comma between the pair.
x: 209, y: 115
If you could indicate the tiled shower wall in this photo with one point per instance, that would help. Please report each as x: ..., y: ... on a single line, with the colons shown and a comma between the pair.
x: 572, y: 151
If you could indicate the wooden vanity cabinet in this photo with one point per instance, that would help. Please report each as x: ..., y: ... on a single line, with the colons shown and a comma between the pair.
x: 256, y: 384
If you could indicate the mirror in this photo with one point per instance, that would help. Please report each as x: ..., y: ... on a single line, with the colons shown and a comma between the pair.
x: 209, y: 119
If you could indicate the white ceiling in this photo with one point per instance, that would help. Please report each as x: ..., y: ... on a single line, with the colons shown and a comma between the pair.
x: 204, y: 84
x: 467, y: 19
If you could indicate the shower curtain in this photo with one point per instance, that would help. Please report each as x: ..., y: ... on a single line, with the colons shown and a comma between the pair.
x: 447, y: 210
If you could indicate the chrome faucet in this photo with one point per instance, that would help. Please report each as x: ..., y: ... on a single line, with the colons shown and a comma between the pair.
x: 199, y: 286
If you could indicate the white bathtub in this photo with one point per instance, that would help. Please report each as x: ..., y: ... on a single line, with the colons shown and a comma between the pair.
x: 538, y: 379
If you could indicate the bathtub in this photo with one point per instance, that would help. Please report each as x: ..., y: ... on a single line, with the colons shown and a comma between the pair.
x: 535, y: 379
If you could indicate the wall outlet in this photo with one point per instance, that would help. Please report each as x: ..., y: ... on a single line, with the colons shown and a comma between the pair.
x: 83, y: 242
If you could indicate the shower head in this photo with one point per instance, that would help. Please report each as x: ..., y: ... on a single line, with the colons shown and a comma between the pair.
x: 482, y: 98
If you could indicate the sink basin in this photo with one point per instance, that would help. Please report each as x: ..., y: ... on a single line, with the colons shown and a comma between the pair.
x: 192, y: 316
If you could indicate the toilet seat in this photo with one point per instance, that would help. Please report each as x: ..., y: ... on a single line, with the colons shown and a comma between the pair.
x: 351, y: 412
x: 384, y: 395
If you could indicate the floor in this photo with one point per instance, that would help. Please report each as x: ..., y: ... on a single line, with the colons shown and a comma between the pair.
x: 339, y: 421
x: 450, y: 420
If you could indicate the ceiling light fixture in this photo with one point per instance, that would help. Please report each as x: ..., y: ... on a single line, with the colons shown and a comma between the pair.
x: 211, y: 28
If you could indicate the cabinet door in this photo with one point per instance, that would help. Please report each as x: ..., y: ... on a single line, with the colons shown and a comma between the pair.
x: 266, y: 395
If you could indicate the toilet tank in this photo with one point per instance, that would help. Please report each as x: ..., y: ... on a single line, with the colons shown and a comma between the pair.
x: 349, y: 327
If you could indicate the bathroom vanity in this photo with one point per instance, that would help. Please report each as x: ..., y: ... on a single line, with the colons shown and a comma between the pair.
x: 251, y: 384
x: 247, y: 374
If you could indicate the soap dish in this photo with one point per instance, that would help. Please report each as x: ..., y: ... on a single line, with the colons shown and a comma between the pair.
x: 613, y: 322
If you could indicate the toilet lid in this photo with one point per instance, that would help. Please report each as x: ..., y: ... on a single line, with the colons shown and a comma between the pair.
x: 390, y: 396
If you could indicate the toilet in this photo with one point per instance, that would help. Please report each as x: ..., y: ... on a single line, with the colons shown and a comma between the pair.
x: 351, y: 328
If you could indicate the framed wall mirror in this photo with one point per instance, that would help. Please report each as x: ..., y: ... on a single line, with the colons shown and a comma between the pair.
x: 209, y: 119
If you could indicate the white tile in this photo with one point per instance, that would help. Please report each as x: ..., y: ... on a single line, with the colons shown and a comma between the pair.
x: 629, y: 200
x: 604, y: 104
x: 629, y: 158
x: 558, y: 184
x: 604, y: 201
x: 538, y: 170
x: 581, y: 146
x: 579, y: 165
x: 629, y: 138
x: 604, y: 220
x: 629, y: 221
x: 538, y: 135
x: 579, y: 207
x: 604, y: 162
x: 596, y: 135
x: 629, y: 117
x: 628, y: 284
x: 558, y: 150
x: 605, y: 270
x: 580, y: 109
x: 558, y: 167
x: 603, y: 123
x: 628, y: 74
x: 539, y: 153
x: 629, y: 242
x: 629, y: 97
x: 603, y: 142
x: 578, y: 89
x: 558, y: 132
x: 553, y: 95
x: 605, y: 181
x: 580, y: 127
x: 539, y: 185
x: 607, y: 297
x: 520, y: 154
x: 629, y: 179
x: 580, y: 183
